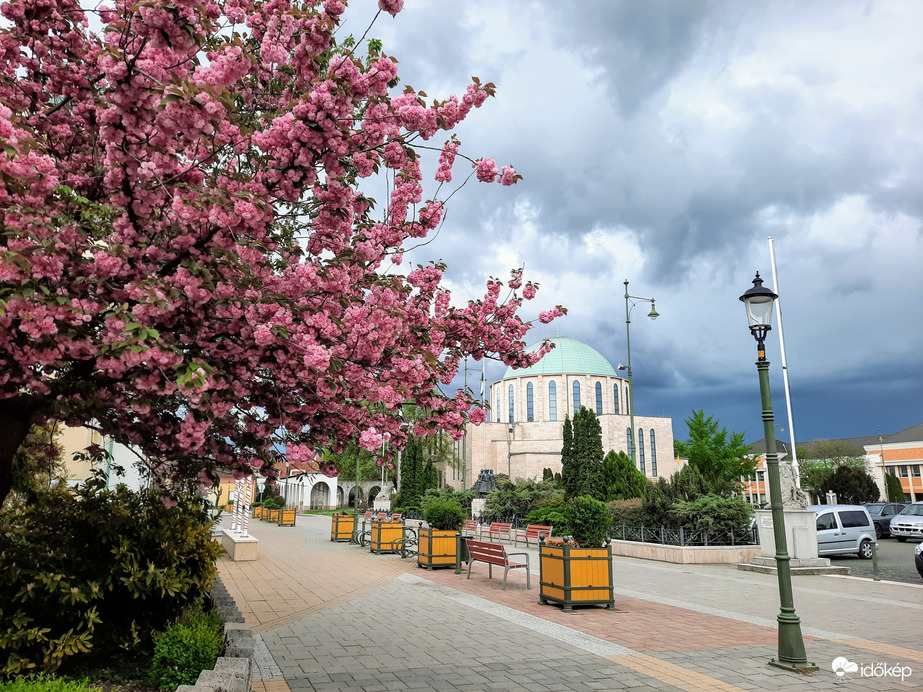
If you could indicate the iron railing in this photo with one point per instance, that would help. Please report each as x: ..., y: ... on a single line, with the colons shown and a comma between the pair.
x: 683, y: 536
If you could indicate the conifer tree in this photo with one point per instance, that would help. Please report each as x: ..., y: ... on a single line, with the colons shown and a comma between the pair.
x: 588, y: 455
x: 568, y: 472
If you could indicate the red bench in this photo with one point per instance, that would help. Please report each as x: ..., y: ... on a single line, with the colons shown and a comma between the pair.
x: 470, y: 529
x: 533, y: 532
x: 493, y: 554
x: 500, y: 531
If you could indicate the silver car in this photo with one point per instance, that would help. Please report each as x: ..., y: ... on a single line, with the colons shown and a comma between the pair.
x: 909, y: 523
x: 844, y: 529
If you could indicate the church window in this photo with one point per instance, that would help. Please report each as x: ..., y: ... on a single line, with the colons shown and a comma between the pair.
x: 653, y: 454
x: 552, y: 401
x: 641, y: 449
x: 512, y: 406
x: 576, y: 396
x: 599, y: 399
x: 615, y: 397
x: 530, y: 415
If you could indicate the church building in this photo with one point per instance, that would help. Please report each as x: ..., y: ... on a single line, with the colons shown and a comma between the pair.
x: 524, y: 433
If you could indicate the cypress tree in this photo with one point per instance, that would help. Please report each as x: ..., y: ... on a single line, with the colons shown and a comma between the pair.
x: 588, y: 455
x: 567, y: 460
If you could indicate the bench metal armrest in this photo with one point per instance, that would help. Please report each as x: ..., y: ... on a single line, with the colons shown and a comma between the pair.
x: 509, y: 555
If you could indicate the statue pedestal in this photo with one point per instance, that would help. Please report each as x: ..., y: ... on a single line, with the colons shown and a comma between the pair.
x: 477, y: 507
x: 801, y: 540
x: 381, y: 505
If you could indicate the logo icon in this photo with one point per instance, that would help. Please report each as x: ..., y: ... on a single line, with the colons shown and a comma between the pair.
x: 841, y: 665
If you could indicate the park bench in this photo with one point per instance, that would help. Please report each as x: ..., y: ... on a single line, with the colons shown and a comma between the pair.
x: 499, y: 530
x: 287, y: 517
x: 493, y: 554
x: 396, y: 516
x: 533, y: 532
x: 368, y: 514
x: 470, y: 529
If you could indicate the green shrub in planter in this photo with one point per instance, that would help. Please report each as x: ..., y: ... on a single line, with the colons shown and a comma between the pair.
x: 445, y: 515
x: 187, y: 647
x: 588, y: 520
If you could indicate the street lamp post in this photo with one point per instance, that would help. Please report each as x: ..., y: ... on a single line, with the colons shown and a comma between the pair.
x: 791, y: 654
x: 653, y: 314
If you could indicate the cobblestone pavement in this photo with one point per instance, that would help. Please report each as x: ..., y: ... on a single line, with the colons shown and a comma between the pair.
x: 331, y: 616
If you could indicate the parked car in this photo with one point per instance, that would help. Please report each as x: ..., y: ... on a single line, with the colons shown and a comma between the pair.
x: 882, y: 513
x: 918, y: 558
x: 909, y: 523
x: 844, y: 529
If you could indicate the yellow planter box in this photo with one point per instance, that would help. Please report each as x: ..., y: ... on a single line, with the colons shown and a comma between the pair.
x: 258, y: 512
x: 387, y: 537
x: 273, y: 514
x: 575, y: 576
x: 342, y: 527
x: 437, y: 548
x: 287, y: 517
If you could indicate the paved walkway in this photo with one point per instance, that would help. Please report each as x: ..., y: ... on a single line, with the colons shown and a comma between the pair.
x: 333, y: 616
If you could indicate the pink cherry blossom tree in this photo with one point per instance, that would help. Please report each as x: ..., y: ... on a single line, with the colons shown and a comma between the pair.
x: 190, y: 260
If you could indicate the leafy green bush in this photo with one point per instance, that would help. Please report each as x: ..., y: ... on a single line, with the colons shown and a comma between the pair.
x: 187, y: 647
x: 629, y: 512
x: 588, y: 521
x: 44, y: 683
x: 518, y: 499
x: 713, y: 513
x: 91, y: 570
x: 462, y: 498
x: 445, y: 515
x: 554, y: 516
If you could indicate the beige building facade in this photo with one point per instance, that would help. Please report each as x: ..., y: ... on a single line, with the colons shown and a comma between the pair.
x: 524, y: 433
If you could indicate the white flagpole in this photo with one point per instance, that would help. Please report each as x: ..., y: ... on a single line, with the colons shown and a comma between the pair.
x: 788, y: 391
x: 484, y: 404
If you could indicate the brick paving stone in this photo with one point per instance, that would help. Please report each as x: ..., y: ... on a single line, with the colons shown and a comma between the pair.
x: 334, y: 617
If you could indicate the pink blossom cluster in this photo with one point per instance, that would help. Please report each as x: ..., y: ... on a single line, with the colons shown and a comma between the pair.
x: 187, y: 257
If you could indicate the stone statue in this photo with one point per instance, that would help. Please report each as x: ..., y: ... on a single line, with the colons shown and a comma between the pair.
x: 793, y: 497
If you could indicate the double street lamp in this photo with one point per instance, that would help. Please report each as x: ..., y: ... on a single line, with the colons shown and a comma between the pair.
x: 653, y: 314
x: 758, y: 301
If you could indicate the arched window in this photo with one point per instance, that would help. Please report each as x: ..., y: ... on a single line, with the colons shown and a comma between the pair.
x: 599, y: 399
x: 615, y: 397
x: 498, y: 404
x: 628, y: 438
x: 641, y: 449
x: 653, y: 454
x: 552, y: 401
x: 576, y: 396
x: 530, y: 415
x: 512, y: 406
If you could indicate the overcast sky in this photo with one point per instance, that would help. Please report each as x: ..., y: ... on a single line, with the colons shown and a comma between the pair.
x: 663, y: 143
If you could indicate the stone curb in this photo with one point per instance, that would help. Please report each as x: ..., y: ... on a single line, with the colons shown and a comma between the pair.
x: 233, y: 672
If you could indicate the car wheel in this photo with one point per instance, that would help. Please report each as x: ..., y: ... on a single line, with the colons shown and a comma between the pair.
x: 865, y: 549
x: 877, y: 531
x: 901, y: 539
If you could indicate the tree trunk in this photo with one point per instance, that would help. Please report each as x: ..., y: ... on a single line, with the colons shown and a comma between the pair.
x: 14, y: 426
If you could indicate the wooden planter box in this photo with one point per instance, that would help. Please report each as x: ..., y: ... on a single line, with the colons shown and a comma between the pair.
x: 273, y: 514
x: 387, y: 537
x: 287, y: 517
x: 342, y: 527
x: 575, y: 576
x: 258, y: 512
x: 437, y: 548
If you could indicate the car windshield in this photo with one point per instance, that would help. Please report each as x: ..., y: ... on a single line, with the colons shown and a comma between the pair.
x: 913, y: 511
x: 874, y: 510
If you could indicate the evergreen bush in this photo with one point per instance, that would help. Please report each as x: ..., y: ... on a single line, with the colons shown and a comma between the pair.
x: 628, y: 512
x: 445, y: 515
x: 588, y: 521
x: 714, y: 514
x: 45, y: 683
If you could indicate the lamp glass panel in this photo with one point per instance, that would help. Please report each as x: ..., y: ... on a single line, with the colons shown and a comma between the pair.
x: 759, y: 310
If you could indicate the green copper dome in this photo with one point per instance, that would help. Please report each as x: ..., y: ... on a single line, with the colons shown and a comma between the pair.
x: 568, y: 356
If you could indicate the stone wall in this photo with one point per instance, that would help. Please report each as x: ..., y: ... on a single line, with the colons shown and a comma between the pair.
x: 715, y: 554
x: 233, y: 672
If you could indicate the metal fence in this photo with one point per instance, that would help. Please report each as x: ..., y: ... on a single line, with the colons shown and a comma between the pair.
x: 684, y: 536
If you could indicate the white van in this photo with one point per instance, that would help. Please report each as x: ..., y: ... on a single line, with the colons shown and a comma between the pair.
x: 843, y: 530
